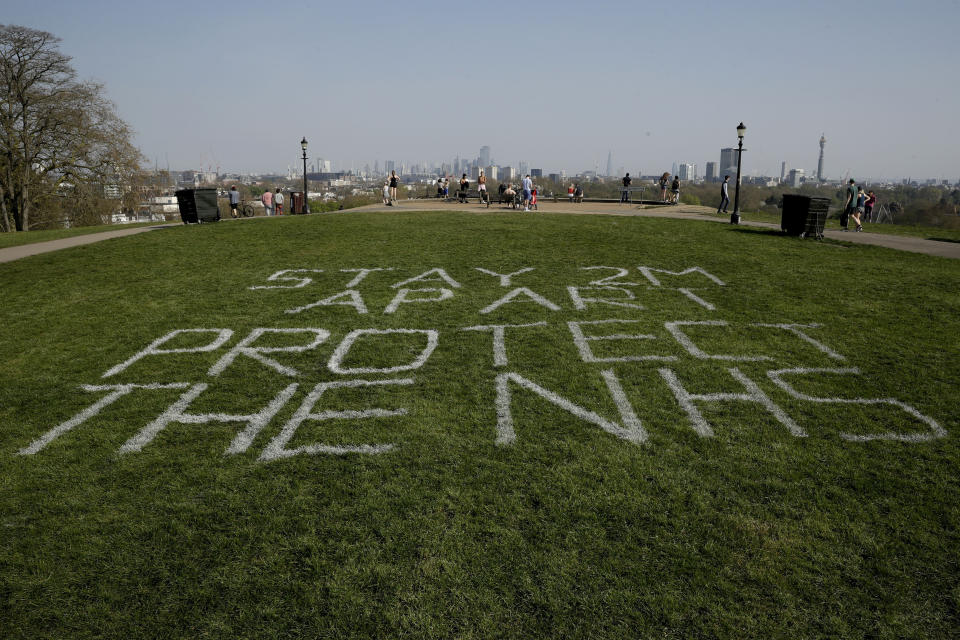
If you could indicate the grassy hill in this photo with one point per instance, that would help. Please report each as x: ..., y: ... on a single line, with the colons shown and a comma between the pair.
x: 699, y: 473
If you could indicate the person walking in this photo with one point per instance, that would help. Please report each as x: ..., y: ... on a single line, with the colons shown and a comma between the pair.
x: 861, y: 204
x: 394, y: 182
x: 278, y: 201
x: 234, y: 201
x: 625, y: 193
x: 386, y: 194
x: 267, y: 200
x: 664, y: 181
x: 527, y: 192
x: 849, y: 205
x: 868, y: 206
x: 675, y: 190
x: 724, y: 196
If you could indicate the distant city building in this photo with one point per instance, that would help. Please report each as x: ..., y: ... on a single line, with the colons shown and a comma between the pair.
x: 474, y: 172
x: 389, y: 166
x: 536, y: 173
x: 609, y: 163
x: 728, y: 161
x: 524, y: 169
x: 493, y: 171
x: 823, y: 141
x: 686, y: 172
x: 784, y: 170
x: 795, y: 177
x: 484, y: 158
x: 508, y: 173
x: 555, y: 177
x: 712, y: 172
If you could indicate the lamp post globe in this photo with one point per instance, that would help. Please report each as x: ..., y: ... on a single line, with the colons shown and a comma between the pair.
x: 303, y: 145
x: 735, y: 216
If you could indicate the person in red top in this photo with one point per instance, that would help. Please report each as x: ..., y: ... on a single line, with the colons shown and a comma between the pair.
x: 868, y: 206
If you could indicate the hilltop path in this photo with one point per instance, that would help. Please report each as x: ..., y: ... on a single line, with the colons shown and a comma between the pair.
x: 685, y: 212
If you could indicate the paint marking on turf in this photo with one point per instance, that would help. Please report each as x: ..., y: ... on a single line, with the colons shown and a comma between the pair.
x: 245, y: 347
x: 403, y: 297
x: 509, y: 298
x: 152, y: 349
x: 631, y: 430
x: 499, y: 338
x: 936, y: 431
x: 697, y: 352
x: 440, y: 275
x: 580, y: 302
x: 336, y: 360
x: 648, y: 274
x: 753, y: 394
x: 350, y: 298
x: 504, y: 277
x: 277, y: 448
x: 582, y: 342
x: 117, y: 391
x: 281, y: 276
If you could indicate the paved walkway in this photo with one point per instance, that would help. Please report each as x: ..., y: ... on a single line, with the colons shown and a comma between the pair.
x: 10, y: 254
x: 687, y: 212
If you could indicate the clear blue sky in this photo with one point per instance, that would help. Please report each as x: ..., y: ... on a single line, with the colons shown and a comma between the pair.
x: 558, y: 84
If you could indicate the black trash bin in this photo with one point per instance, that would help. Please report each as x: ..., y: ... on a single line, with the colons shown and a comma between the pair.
x: 803, y: 216
x: 198, y: 205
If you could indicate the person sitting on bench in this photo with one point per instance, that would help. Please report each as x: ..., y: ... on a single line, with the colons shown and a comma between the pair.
x: 509, y: 195
x: 464, y: 186
x: 578, y: 194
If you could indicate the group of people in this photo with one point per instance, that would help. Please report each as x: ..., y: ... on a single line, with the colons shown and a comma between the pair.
x: 664, y: 181
x: 858, y: 204
x: 390, y: 189
x: 575, y: 192
x: 507, y: 191
x: 272, y: 202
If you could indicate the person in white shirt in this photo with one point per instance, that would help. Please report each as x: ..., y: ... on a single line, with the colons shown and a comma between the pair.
x: 527, y: 192
x: 278, y: 202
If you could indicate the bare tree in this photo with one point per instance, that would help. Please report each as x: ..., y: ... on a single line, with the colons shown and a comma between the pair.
x: 61, y: 140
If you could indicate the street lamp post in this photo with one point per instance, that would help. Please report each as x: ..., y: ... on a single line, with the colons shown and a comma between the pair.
x: 735, y: 216
x: 303, y: 145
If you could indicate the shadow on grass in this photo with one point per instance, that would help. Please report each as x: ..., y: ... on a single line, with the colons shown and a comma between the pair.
x: 776, y: 233
x: 944, y: 239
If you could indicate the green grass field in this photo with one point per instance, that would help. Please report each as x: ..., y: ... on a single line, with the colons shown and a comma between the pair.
x: 540, y: 492
x: 30, y: 237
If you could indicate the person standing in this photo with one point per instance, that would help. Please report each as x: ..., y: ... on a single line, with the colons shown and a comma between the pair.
x: 664, y: 181
x: 234, y: 201
x: 868, y: 206
x: 267, y: 200
x: 482, y: 189
x: 386, y: 193
x: 724, y: 196
x: 625, y: 194
x: 849, y: 205
x: 527, y: 192
x: 278, y: 202
x: 675, y: 190
x: 394, y: 182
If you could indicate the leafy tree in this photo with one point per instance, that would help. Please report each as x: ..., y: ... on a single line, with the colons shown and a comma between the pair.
x: 61, y: 140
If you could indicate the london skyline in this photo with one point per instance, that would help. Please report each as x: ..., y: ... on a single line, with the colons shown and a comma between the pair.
x: 236, y: 86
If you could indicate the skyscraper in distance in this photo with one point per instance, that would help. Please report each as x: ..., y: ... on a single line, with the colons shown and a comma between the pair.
x: 823, y: 141
x: 609, y: 163
x: 485, y: 156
